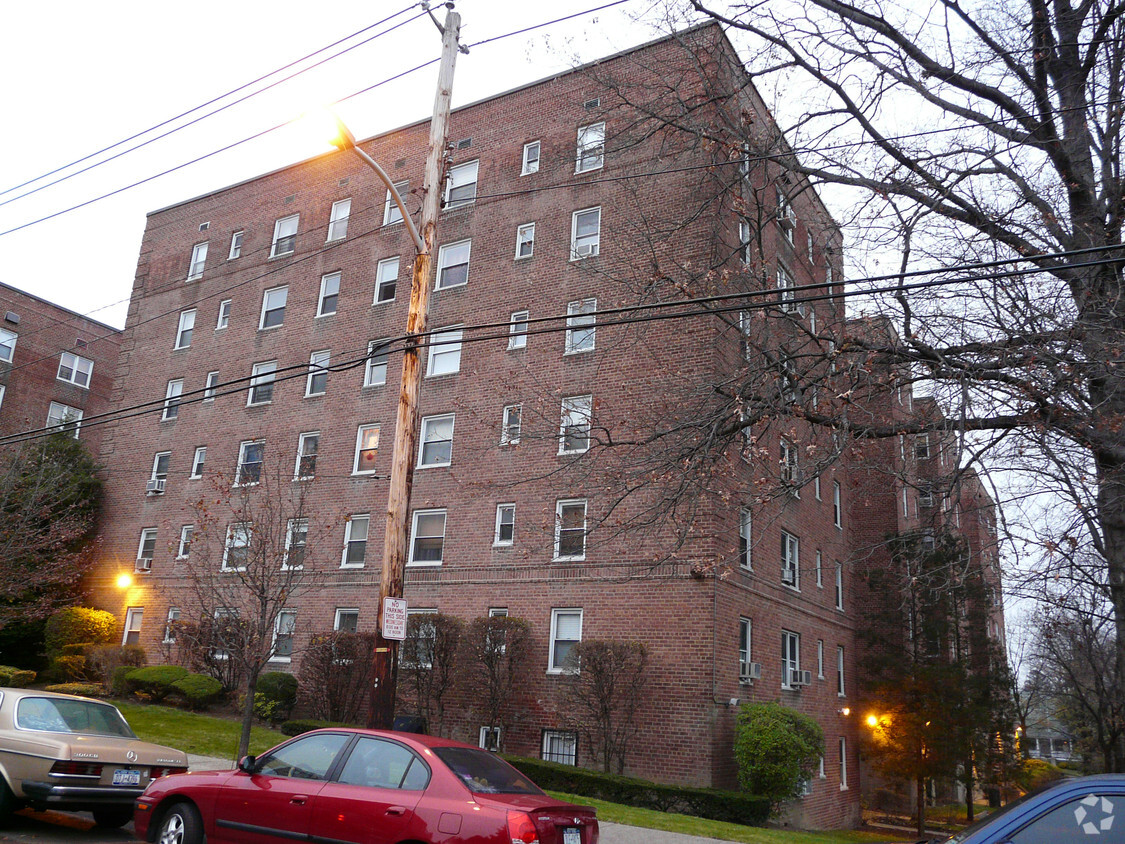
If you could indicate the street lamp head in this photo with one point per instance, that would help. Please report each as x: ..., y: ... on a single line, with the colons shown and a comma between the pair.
x: 343, y: 139
x: 872, y: 721
x: 124, y: 581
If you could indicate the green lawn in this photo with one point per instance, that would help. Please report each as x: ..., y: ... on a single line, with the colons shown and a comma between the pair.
x: 193, y: 732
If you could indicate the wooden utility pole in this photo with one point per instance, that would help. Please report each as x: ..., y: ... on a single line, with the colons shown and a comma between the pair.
x: 385, y: 658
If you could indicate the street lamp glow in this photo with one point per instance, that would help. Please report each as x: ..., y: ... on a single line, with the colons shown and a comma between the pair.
x: 124, y: 581
x: 872, y: 721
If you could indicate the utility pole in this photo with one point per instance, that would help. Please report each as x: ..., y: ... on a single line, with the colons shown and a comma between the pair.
x: 385, y: 657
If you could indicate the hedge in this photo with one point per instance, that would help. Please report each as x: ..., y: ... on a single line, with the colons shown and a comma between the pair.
x: 155, y: 680
x: 302, y: 725
x: 275, y: 696
x: 198, y: 690
x: 731, y: 806
x: 15, y: 677
x: 83, y: 689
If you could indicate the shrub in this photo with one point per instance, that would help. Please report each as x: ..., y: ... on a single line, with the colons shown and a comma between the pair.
x: 1034, y: 773
x: 68, y: 669
x: 302, y: 725
x: 198, y: 690
x: 776, y: 748
x: 154, y: 680
x: 336, y: 675
x: 275, y: 696
x: 15, y: 677
x: 118, y: 684
x: 103, y: 660
x: 84, y: 689
x: 74, y: 625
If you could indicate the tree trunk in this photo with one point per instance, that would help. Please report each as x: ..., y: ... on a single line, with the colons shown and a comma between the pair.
x: 969, y: 790
x: 920, y: 785
x: 247, y: 713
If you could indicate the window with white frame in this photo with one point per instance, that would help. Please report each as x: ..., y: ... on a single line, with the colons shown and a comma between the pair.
x: 744, y: 538
x: 62, y: 417
x: 816, y: 487
x: 338, y: 219
x: 461, y: 184
x: 329, y: 294
x: 820, y: 659
x: 590, y: 154
x: 566, y: 632
x: 745, y: 327
x: 744, y: 241
x: 745, y: 638
x: 445, y: 352
x: 355, y: 540
x: 843, y: 763
x: 530, y: 158
x: 574, y: 429
x: 261, y: 382
x: 786, y: 290
x: 210, y: 384
x: 251, y: 453
x: 840, y: 671
x: 489, y: 739
x: 786, y: 216
x: 585, y: 233
x: 391, y: 212
x: 7, y: 344
x: 423, y: 637
x: 198, y: 261
x: 317, y: 381
x: 790, y: 560
x: 283, y: 628
x: 375, y: 369
x: 559, y: 746
x: 453, y: 264
x: 427, y: 538
x: 296, y: 538
x: 386, y: 279
x: 172, y: 394
x: 839, y: 586
x: 581, y: 318
x: 184, y: 547
x: 236, y: 551
x: 809, y: 246
x: 525, y: 240
x: 273, y: 307
x: 346, y: 620
x: 790, y: 470
x: 570, y: 529
x: 146, y: 550
x: 308, y: 445
x: 170, y: 623
x: 223, y: 319
x: 505, y: 524
x: 198, y: 461
x: 132, y: 633
x: 510, y: 426
x: 819, y: 569
x: 235, y: 246
x: 517, y: 330
x: 78, y: 370
x: 837, y: 506
x: 184, y: 330
x: 2, y: 389
x: 922, y: 447
x: 436, y: 442
x: 790, y: 657
x: 925, y: 495
x: 160, y: 464
x: 366, y: 449
x: 285, y: 236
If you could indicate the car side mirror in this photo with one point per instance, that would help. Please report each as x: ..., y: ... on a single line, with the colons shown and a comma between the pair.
x: 248, y: 764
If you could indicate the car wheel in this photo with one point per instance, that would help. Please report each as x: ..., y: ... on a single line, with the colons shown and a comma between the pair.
x: 181, y: 824
x: 8, y: 803
x: 112, y: 817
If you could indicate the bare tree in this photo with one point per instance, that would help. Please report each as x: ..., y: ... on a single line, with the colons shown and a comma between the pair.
x: 428, y: 666
x: 335, y: 675
x: 496, y: 653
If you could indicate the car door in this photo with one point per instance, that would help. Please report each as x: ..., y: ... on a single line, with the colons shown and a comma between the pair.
x: 275, y: 803
x: 372, y: 798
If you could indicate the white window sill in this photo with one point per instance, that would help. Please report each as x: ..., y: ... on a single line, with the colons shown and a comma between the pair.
x: 352, y: 565
x: 433, y: 465
x: 427, y: 564
x: 581, y: 559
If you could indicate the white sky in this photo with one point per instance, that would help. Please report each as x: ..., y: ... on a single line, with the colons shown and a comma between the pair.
x: 80, y: 76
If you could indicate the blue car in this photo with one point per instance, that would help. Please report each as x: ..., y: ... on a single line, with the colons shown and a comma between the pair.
x: 1088, y: 809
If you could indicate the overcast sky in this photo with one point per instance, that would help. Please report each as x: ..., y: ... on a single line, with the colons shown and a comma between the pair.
x: 81, y: 76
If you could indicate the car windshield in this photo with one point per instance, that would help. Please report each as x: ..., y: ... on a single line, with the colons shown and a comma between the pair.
x: 62, y: 715
x: 987, y: 819
x: 485, y: 773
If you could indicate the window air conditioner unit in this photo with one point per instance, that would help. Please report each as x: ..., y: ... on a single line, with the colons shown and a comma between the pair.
x: 144, y: 564
x: 749, y: 671
x: 585, y: 250
x: 799, y: 677
x: 155, y: 486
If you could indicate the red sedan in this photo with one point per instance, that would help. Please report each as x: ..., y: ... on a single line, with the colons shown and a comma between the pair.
x: 358, y: 786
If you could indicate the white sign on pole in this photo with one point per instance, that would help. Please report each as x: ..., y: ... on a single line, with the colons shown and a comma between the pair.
x: 394, y: 618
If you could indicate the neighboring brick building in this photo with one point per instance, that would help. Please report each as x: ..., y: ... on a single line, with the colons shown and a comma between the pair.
x: 55, y: 366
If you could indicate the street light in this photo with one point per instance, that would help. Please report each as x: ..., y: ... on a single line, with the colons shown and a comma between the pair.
x: 124, y: 581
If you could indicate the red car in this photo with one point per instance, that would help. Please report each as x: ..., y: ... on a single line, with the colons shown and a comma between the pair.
x: 361, y: 787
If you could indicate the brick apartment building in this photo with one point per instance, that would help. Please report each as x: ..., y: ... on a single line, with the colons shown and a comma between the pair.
x: 540, y: 491
x: 56, y: 366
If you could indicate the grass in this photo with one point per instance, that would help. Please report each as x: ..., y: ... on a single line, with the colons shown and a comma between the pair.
x: 193, y: 732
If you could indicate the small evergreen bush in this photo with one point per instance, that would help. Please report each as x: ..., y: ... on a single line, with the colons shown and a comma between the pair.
x: 15, y: 677
x: 198, y: 690
x: 776, y: 747
x: 83, y: 689
x: 76, y: 625
x: 275, y: 696
x: 154, y: 680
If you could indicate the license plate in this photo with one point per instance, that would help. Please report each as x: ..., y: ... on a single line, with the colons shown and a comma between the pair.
x: 572, y: 836
x: 128, y: 776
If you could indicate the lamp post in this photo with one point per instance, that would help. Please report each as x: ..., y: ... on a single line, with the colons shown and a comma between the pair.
x: 385, y: 656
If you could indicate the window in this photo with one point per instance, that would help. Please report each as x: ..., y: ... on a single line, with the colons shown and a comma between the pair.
x: 146, y: 550
x: 235, y: 246
x: 2, y: 389
x: 559, y: 746
x: 790, y: 560
x: 843, y: 763
x: 837, y: 510
x: 445, y: 352
x: 745, y: 631
x: 530, y: 159
x: 427, y: 537
x: 285, y: 236
x: 317, y: 382
x: 591, y: 147
x: 453, y: 264
x: 250, y: 456
x: 745, y: 327
x: 283, y: 627
x: 224, y: 315
x: 580, y: 326
x: 517, y: 330
x: 170, y: 625
x: 273, y: 307
x: 172, y: 394
x: 525, y: 240
x: 574, y: 430
x: 184, y: 548
x: 922, y: 447
x: 183, y: 334
x: 505, y: 524
x: 198, y: 259
x: 925, y: 495
x: 338, y: 219
x: 421, y: 637
x: 809, y: 246
x: 820, y: 659
x: 744, y: 241
x: 816, y: 487
x: 819, y: 570
x: 786, y: 216
x: 7, y: 344
x: 77, y: 370
x: 489, y: 739
x: 510, y: 427
x: 160, y: 466
x: 132, y: 633
x: 391, y: 212
x: 744, y: 538
x: 461, y: 185
x: 209, y: 385
x: 570, y: 529
x: 261, y: 383
x: 329, y: 294
x: 436, y: 441
x: 366, y: 449
x: 585, y: 233
x: 296, y: 538
x: 375, y: 370
x: 308, y: 444
x: 237, y: 549
x: 840, y: 671
x: 198, y: 462
x: 839, y: 586
x: 790, y: 472
x: 786, y: 290
x: 63, y: 417
x: 355, y: 540
x: 566, y: 632
x: 347, y: 620
x: 386, y: 277
x: 790, y: 658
